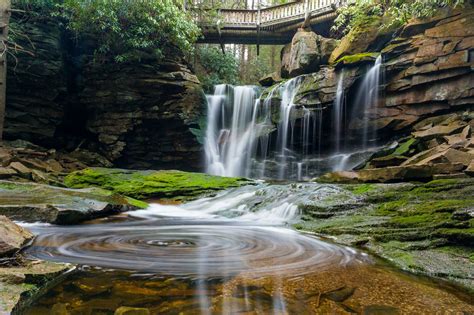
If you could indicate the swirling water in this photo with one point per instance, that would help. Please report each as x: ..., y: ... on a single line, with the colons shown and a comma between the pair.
x: 227, y: 254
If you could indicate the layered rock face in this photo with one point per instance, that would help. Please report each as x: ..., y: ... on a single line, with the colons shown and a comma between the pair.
x: 138, y: 114
x: 429, y: 70
x: 36, y: 84
x: 142, y: 114
x: 426, y: 71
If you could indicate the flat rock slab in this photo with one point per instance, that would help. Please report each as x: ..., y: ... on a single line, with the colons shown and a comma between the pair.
x: 32, y: 202
x: 169, y: 184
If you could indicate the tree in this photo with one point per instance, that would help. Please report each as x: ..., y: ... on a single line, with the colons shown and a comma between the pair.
x: 5, y: 7
x: 214, y: 67
x: 126, y: 29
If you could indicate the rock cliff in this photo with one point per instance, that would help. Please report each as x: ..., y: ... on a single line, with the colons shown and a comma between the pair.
x: 426, y: 72
x: 139, y: 114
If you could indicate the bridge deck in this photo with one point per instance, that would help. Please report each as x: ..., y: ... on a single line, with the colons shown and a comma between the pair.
x: 272, y: 25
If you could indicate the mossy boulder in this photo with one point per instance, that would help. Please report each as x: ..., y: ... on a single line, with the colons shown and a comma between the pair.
x: 357, y: 40
x: 167, y: 184
x: 35, y: 202
x: 356, y: 59
x: 426, y: 228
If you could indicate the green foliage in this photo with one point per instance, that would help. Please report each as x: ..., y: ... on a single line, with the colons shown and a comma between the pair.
x: 395, y: 12
x: 123, y: 28
x: 217, y: 67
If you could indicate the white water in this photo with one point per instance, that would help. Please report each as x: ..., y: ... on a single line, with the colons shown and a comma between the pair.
x: 338, y: 110
x: 239, y: 130
x: 263, y: 205
x: 231, y: 139
x: 367, y: 99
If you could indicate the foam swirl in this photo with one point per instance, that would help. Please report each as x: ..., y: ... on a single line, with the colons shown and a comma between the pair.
x: 190, y: 249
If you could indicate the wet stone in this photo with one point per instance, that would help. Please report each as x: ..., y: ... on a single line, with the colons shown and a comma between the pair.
x: 380, y: 310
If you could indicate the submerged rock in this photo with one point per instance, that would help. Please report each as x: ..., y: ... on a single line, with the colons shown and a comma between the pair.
x: 124, y: 310
x: 152, y: 184
x: 21, y: 285
x: 35, y: 202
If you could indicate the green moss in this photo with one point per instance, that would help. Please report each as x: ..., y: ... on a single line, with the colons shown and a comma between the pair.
x: 410, y: 224
x: 151, y: 184
x: 405, y: 147
x: 357, y: 58
x: 361, y: 189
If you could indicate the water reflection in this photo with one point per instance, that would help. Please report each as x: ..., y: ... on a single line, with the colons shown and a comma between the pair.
x: 223, y: 255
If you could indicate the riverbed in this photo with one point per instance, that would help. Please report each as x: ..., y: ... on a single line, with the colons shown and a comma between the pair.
x: 233, y: 253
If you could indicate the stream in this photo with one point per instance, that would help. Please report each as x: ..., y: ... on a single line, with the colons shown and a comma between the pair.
x: 233, y: 253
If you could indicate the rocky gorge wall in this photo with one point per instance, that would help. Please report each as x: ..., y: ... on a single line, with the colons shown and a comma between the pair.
x: 427, y: 68
x: 426, y: 84
x: 138, y: 114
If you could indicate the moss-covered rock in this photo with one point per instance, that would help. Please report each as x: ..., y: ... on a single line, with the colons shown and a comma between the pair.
x: 427, y: 228
x: 151, y: 184
x: 357, y: 40
x: 21, y: 285
x: 35, y: 202
x: 357, y: 58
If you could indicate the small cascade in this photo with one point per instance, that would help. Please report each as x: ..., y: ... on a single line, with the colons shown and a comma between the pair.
x: 338, y: 113
x: 367, y: 99
x: 288, y: 92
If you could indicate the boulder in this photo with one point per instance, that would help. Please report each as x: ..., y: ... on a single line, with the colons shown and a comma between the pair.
x: 12, y: 237
x: 358, y: 40
x: 285, y: 57
x: 458, y: 138
x: 270, y: 79
x: 307, y: 53
x: 32, y: 202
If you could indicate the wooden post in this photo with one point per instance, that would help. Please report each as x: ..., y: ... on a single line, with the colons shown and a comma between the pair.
x: 258, y: 27
x: 5, y: 7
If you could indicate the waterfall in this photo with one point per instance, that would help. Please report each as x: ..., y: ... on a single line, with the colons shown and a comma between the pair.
x: 230, y: 141
x: 240, y: 138
x: 338, y: 115
x: 288, y: 92
x: 367, y: 100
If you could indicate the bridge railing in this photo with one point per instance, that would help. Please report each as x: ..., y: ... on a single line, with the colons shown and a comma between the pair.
x: 274, y: 13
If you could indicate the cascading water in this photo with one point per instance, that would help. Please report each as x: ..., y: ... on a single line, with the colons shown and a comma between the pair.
x: 240, y: 140
x: 367, y: 99
x: 338, y: 113
x: 230, y: 139
x: 288, y: 93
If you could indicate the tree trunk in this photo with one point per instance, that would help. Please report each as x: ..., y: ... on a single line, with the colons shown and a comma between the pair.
x: 5, y: 6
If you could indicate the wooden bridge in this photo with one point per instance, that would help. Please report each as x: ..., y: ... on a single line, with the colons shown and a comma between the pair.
x: 272, y: 25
